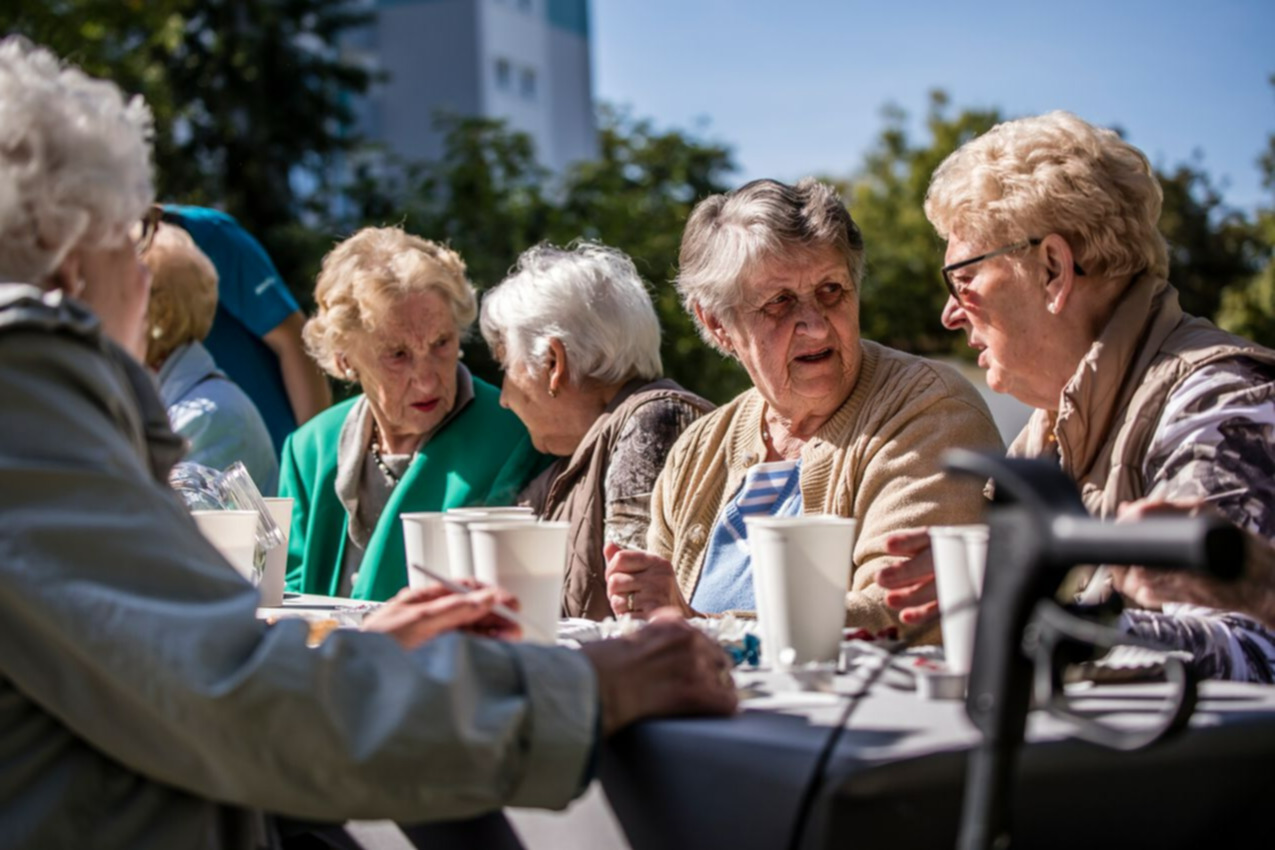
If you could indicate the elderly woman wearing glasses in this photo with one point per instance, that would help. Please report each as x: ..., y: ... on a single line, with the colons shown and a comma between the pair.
x: 580, y: 344
x: 424, y: 435
x: 1058, y: 276
x: 834, y: 424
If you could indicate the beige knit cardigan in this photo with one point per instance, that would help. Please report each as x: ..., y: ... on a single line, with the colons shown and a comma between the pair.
x: 876, y: 460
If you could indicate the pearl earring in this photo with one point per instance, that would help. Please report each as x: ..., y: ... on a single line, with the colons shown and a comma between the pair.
x: 553, y: 393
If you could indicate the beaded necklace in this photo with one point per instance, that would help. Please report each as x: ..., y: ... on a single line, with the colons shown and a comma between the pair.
x: 375, y: 448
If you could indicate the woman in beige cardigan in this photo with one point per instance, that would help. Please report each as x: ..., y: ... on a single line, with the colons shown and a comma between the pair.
x: 834, y: 424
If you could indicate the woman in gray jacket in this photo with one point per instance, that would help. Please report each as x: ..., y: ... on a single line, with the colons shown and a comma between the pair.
x: 142, y: 703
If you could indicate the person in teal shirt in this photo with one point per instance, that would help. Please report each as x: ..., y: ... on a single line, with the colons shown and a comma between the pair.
x: 425, y: 435
x: 256, y: 333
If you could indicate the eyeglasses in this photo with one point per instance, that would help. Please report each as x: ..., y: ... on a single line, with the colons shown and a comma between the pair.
x: 143, y: 232
x: 1008, y: 249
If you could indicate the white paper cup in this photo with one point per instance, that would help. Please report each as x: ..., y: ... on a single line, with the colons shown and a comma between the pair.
x: 528, y: 559
x: 456, y: 522
x: 425, y: 544
x: 975, y: 554
x: 271, y: 586
x: 801, y: 570
x: 958, y: 580
x: 234, y: 535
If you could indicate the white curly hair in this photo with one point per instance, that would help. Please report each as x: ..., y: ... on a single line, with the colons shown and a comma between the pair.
x: 75, y: 167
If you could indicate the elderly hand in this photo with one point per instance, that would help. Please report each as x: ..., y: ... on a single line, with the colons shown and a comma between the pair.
x: 667, y: 668
x: 419, y: 614
x: 910, y: 583
x: 638, y: 581
x: 1252, y: 594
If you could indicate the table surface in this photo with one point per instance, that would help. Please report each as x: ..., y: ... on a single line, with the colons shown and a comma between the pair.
x: 898, y: 764
x: 896, y: 775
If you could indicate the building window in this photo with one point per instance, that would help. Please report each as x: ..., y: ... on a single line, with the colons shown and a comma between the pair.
x: 504, y: 74
x: 527, y: 83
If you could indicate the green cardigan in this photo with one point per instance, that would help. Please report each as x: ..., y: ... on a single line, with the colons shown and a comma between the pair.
x: 482, y: 457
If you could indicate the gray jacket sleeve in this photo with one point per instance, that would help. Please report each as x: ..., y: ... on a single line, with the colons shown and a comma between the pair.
x: 123, y: 624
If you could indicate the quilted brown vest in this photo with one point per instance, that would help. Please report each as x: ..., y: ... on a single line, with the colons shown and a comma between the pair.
x: 572, y: 490
x: 1109, y: 411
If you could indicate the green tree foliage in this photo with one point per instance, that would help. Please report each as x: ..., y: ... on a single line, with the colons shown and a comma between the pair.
x: 636, y: 197
x: 487, y: 198
x: 1211, y: 247
x: 1249, y: 309
x: 903, y: 293
x: 248, y: 95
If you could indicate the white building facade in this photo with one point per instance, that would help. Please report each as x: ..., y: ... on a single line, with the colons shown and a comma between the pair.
x: 525, y: 61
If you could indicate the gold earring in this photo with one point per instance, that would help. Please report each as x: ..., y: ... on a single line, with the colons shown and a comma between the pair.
x: 553, y: 393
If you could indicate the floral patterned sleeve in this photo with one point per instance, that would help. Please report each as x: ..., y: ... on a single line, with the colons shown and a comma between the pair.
x: 636, y: 461
x: 1216, y: 443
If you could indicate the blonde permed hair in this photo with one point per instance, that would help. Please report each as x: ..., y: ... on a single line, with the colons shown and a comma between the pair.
x: 365, y: 276
x: 1054, y: 173
x: 183, y: 294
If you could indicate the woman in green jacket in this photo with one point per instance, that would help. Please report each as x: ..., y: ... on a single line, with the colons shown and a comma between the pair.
x: 425, y: 435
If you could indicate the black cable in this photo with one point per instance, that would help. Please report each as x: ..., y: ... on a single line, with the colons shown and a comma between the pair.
x: 818, y: 772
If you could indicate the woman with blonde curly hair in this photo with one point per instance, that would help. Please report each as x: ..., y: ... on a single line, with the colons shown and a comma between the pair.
x: 1058, y: 275
x: 220, y: 423
x: 424, y: 435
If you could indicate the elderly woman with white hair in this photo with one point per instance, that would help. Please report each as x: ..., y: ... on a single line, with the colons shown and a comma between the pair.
x: 1058, y: 275
x: 834, y: 424
x: 219, y: 422
x: 425, y: 435
x: 579, y: 341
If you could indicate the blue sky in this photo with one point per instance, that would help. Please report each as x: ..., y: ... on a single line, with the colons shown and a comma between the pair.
x: 797, y: 86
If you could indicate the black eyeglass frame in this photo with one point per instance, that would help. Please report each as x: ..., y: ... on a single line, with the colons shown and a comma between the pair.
x: 150, y: 225
x: 1031, y: 242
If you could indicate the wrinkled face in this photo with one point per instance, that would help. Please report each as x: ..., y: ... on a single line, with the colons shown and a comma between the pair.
x: 796, y: 332
x: 407, y: 367
x: 117, y: 286
x: 1004, y: 313
x: 526, y: 393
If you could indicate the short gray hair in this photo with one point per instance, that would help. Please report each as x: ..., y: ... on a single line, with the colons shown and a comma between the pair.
x: 590, y: 298
x: 75, y: 165
x: 728, y: 235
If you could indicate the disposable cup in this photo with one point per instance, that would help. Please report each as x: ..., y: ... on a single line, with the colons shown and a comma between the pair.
x: 271, y: 586
x: 234, y: 535
x: 959, y: 552
x: 975, y: 554
x: 801, y: 569
x: 528, y: 560
x: 460, y: 558
x: 425, y: 544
